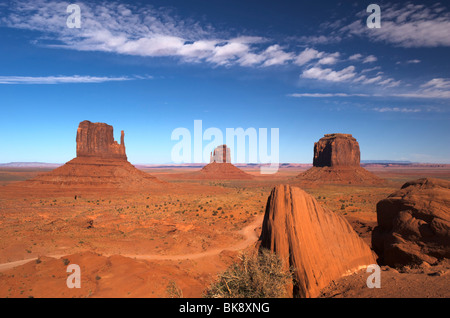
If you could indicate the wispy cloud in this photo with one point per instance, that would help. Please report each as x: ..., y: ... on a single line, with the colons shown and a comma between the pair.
x: 144, y: 31
x: 405, y: 25
x: 62, y: 79
x: 325, y: 95
x: 397, y: 110
x: 329, y: 74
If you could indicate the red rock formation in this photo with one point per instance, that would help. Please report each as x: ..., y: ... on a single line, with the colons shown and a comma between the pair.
x: 100, y: 163
x: 336, y: 150
x: 97, y: 140
x: 320, y: 245
x: 414, y: 224
x: 219, y: 168
x: 221, y: 155
x: 337, y: 160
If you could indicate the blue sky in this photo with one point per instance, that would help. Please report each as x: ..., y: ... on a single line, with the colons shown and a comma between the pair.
x: 305, y: 67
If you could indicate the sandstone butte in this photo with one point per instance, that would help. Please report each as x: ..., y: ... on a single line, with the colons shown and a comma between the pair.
x: 414, y: 224
x: 100, y: 163
x: 220, y: 167
x: 318, y: 244
x: 337, y: 160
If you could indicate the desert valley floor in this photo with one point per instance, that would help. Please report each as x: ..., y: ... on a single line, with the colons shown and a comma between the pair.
x: 173, y: 239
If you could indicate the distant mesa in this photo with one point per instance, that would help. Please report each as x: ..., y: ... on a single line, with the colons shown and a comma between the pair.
x: 317, y: 243
x: 100, y: 163
x: 337, y: 160
x: 414, y: 224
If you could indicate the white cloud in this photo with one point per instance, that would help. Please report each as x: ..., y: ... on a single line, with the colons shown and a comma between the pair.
x: 370, y: 59
x: 438, y: 83
x: 355, y: 57
x: 372, y: 80
x: 276, y: 56
x: 144, y: 31
x: 397, y: 110
x: 307, y: 55
x: 329, y: 75
x: 61, y: 79
x: 329, y: 59
x: 324, y: 95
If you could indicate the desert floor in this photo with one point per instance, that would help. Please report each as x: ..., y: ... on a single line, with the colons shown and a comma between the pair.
x: 173, y: 239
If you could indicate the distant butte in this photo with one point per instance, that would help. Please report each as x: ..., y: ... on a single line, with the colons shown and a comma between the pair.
x: 337, y: 160
x: 220, y: 167
x: 221, y: 154
x: 97, y: 140
x: 100, y: 163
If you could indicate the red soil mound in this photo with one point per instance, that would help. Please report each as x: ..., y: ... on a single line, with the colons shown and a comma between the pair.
x: 93, y: 172
x: 320, y: 245
x: 338, y: 175
x: 414, y: 224
x: 217, y: 170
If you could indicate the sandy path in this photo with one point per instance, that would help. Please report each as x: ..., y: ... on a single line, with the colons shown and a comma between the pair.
x: 248, y: 232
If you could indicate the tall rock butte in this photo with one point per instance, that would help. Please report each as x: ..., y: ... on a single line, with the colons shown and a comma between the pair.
x: 221, y: 154
x: 337, y: 160
x: 334, y: 150
x: 97, y: 140
x: 414, y: 224
x: 100, y: 163
x: 318, y: 244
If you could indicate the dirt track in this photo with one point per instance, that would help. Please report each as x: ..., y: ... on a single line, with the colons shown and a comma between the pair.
x: 248, y: 232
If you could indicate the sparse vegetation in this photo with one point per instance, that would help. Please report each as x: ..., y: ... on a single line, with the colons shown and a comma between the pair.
x: 257, y: 275
x: 173, y: 291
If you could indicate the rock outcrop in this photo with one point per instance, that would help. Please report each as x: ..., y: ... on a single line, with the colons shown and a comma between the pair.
x: 97, y: 140
x: 337, y: 160
x: 100, y: 163
x: 414, y: 224
x: 221, y: 155
x: 317, y: 243
x: 334, y: 150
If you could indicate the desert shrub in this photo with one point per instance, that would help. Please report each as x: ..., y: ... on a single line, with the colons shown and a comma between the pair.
x: 173, y: 291
x: 256, y: 275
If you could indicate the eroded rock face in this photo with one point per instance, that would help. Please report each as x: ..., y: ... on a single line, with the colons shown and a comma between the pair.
x: 221, y: 155
x: 97, y: 140
x: 320, y: 245
x: 336, y: 150
x: 414, y: 224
